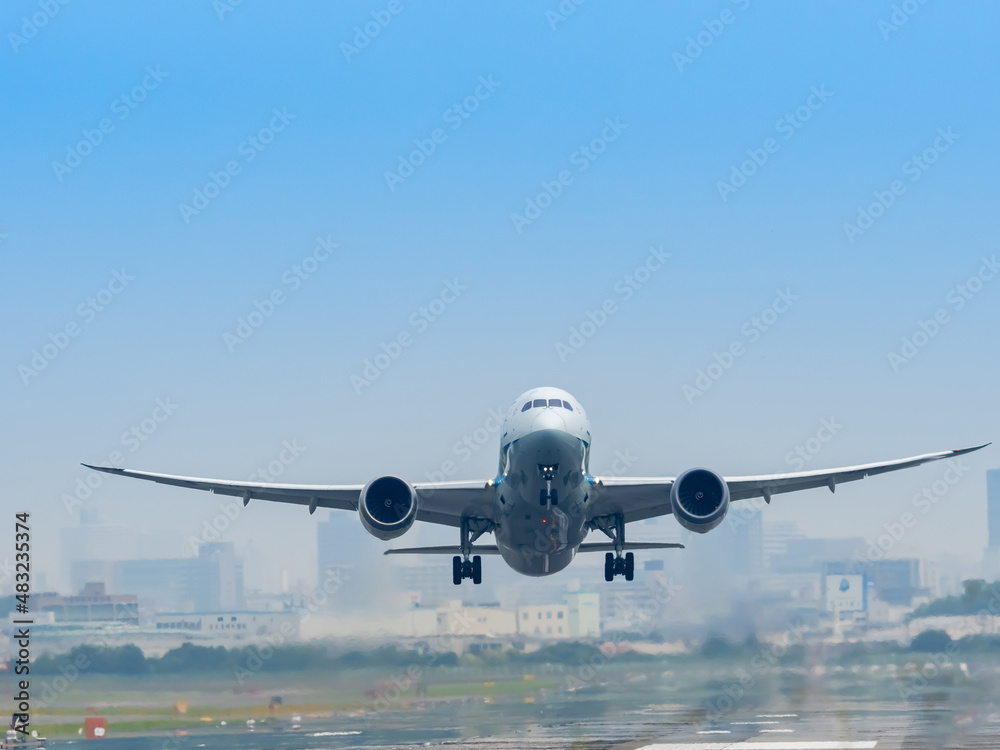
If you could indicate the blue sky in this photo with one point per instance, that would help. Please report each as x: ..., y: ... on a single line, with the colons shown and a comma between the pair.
x: 682, y: 128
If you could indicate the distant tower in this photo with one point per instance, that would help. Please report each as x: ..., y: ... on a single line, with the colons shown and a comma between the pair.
x: 991, y: 559
x: 993, y: 507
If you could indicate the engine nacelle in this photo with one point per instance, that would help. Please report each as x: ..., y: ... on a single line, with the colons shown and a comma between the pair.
x: 700, y: 500
x: 388, y: 507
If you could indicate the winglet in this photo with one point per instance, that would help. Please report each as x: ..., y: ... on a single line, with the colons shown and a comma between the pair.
x: 106, y: 469
x: 960, y: 451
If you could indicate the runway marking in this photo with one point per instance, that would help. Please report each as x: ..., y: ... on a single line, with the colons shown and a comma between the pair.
x: 777, y: 716
x: 715, y: 731
x: 776, y: 730
x: 754, y: 722
x: 747, y: 745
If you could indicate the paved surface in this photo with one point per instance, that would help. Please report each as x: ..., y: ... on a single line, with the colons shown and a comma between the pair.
x: 512, y: 727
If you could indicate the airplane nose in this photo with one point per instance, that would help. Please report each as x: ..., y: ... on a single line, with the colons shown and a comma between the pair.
x: 548, y: 419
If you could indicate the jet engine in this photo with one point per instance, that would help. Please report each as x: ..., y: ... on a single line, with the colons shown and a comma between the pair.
x: 388, y: 507
x: 700, y: 500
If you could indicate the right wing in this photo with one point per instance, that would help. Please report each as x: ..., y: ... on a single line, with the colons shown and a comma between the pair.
x: 444, y: 503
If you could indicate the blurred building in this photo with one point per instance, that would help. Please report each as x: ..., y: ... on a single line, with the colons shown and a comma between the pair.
x: 354, y: 558
x: 232, y: 625
x: 807, y: 555
x: 584, y: 613
x: 551, y: 621
x: 428, y: 584
x: 895, y: 582
x: 776, y: 537
x: 993, y: 507
x: 210, y: 582
x: 899, y: 582
x: 91, y: 605
x: 456, y: 619
x: 96, y: 539
x: 991, y: 559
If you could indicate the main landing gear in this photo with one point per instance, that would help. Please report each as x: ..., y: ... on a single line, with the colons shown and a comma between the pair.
x: 462, y: 569
x: 462, y: 566
x: 615, y: 563
x: 618, y: 565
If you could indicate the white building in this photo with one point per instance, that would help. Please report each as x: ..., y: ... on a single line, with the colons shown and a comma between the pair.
x: 248, y: 626
x: 543, y: 621
x: 458, y: 620
x: 584, y: 614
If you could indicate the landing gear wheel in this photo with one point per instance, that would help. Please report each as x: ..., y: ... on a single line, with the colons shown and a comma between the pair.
x: 477, y: 570
x: 629, y: 566
x: 609, y: 567
x: 456, y: 570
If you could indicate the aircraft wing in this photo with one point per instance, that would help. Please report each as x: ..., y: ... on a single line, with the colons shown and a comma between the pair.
x: 638, y: 498
x: 442, y: 502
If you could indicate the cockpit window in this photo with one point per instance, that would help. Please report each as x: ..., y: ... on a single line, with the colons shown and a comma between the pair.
x: 526, y: 406
x: 538, y: 402
x: 566, y: 404
x: 555, y: 402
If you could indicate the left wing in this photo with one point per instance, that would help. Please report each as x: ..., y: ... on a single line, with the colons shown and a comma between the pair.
x: 442, y: 503
x: 638, y: 498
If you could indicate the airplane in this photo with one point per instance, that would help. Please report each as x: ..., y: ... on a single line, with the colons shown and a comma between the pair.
x: 543, y: 501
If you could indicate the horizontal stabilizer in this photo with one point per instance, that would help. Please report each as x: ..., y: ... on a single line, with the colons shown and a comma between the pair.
x: 486, y: 549
x: 610, y: 547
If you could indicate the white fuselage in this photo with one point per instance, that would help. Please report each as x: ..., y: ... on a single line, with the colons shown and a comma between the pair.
x: 543, y: 483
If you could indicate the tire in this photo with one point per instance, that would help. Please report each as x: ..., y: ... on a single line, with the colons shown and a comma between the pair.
x: 456, y: 570
x: 609, y: 567
x: 477, y: 570
x: 629, y: 566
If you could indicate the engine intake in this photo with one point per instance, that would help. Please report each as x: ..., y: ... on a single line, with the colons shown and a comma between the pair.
x: 699, y: 499
x: 388, y: 507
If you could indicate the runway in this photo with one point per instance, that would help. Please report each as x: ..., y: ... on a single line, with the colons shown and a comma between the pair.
x: 597, y: 726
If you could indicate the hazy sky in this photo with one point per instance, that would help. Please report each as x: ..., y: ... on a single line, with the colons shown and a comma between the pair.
x: 519, y: 161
